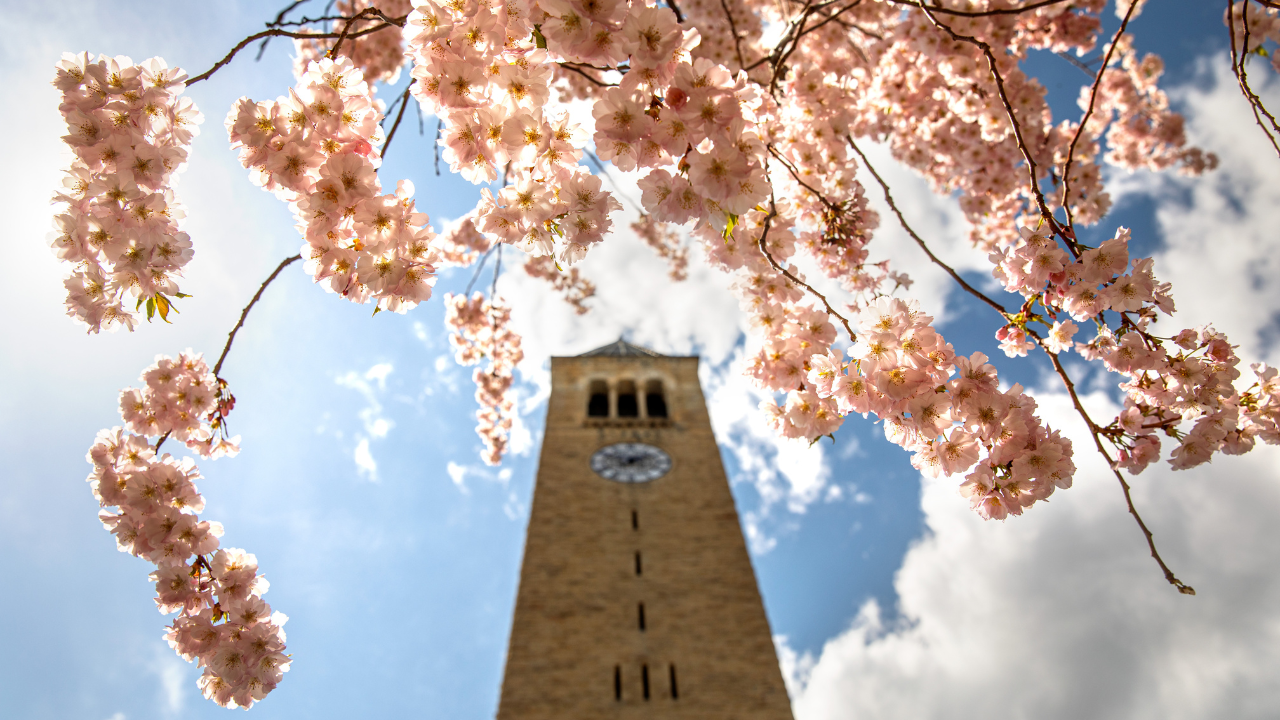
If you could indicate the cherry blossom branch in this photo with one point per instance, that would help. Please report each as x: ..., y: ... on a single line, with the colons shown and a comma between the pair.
x: 920, y: 241
x: 1242, y: 77
x: 366, y: 13
x: 733, y: 28
x: 476, y: 275
x: 675, y: 9
x: 834, y: 17
x: 279, y: 22
x: 574, y: 68
x: 277, y: 32
x: 764, y: 233
x: 245, y: 313
x: 985, y: 13
x: 1093, y: 98
x: 1094, y: 430
x: 1032, y: 170
x: 404, y: 103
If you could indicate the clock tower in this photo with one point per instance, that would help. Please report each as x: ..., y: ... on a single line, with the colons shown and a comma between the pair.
x: 637, y: 598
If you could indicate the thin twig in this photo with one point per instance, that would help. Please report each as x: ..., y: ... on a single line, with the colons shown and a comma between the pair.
x: 985, y: 13
x: 733, y: 27
x: 1082, y: 66
x: 888, y: 198
x: 675, y: 9
x: 583, y: 73
x: 476, y: 275
x: 1032, y: 170
x: 435, y: 147
x: 764, y: 233
x: 1093, y: 98
x: 277, y: 32
x: 1173, y: 580
x: 1242, y: 76
x: 368, y: 12
x: 277, y: 23
x: 497, y: 270
x: 404, y: 103
x: 231, y: 336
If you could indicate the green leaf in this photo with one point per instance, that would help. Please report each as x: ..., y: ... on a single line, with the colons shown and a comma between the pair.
x: 162, y: 304
x: 538, y: 38
x: 731, y: 222
x: 151, y: 308
x: 376, y: 309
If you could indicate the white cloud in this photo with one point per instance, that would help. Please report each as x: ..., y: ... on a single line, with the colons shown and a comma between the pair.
x: 796, y: 667
x: 1018, y: 619
x: 174, y: 675
x: 366, y: 466
x: 1062, y: 613
x: 459, y: 473
x: 370, y: 385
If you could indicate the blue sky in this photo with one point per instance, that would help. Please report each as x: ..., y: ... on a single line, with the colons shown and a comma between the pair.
x: 399, y: 574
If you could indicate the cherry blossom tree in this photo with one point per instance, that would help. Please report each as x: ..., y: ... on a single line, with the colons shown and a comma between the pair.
x: 745, y: 124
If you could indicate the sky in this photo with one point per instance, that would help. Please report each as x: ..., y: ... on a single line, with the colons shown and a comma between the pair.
x: 395, y: 552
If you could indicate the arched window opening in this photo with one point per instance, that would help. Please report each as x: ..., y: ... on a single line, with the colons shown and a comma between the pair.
x: 627, y: 405
x: 655, y: 403
x: 644, y: 680
x: 641, y: 617
x: 598, y: 404
x: 617, y: 682
x: 675, y: 691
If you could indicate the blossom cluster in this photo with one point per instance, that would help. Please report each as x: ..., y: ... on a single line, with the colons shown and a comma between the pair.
x: 223, y: 623
x: 946, y: 409
x: 182, y: 399
x: 480, y: 329
x: 573, y: 287
x: 1187, y: 378
x: 667, y: 243
x: 315, y: 149
x: 1254, y: 26
x: 477, y: 66
x: 129, y: 131
x: 461, y: 244
x: 379, y: 55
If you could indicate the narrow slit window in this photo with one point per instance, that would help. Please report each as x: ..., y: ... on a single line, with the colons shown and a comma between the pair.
x: 675, y: 689
x: 644, y: 680
x: 617, y: 682
x: 627, y: 405
x: 655, y: 403
x: 641, y: 617
x: 635, y: 520
x: 639, y: 567
x: 598, y: 402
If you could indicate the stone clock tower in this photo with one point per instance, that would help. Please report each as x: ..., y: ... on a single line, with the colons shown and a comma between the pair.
x: 637, y: 598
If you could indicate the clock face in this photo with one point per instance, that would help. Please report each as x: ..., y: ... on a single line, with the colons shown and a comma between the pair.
x: 630, y: 462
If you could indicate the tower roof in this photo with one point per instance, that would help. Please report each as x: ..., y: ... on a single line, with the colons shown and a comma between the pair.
x: 621, y: 348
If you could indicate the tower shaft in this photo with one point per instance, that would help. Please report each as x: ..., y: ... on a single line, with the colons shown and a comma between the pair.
x: 636, y: 599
